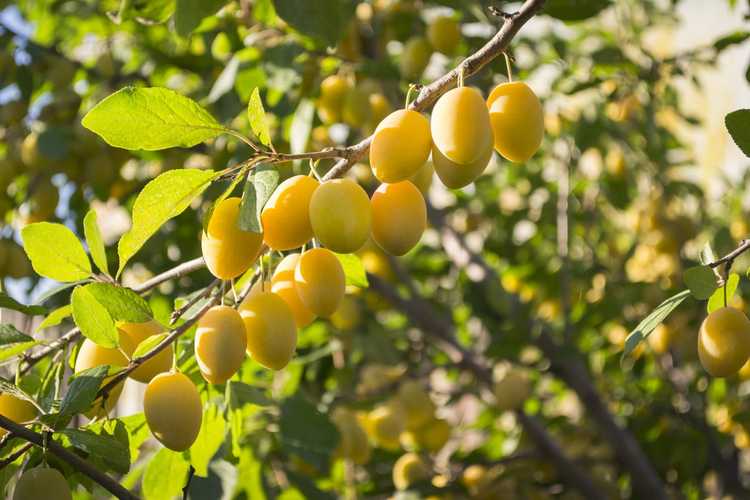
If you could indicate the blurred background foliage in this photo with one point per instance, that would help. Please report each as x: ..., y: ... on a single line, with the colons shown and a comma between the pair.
x: 633, y: 178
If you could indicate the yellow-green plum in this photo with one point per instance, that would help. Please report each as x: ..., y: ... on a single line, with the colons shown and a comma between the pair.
x: 724, y: 341
x: 320, y: 281
x: 270, y: 328
x: 517, y: 120
x: 286, y: 216
x: 460, y: 125
x: 42, y: 483
x: 400, y: 146
x: 340, y: 215
x: 220, y: 344
x: 228, y: 250
x: 173, y: 410
x: 399, y: 217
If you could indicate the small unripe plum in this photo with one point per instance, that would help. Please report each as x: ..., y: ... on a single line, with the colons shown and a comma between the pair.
x: 385, y: 425
x: 285, y: 269
x: 511, y: 389
x: 400, y: 146
x: 444, y: 34
x: 270, y: 328
x: 353, y: 443
x: 91, y: 355
x: 42, y: 483
x: 517, y: 120
x: 475, y: 477
x: 220, y: 344
x: 137, y: 333
x: 457, y: 175
x: 286, y: 216
x: 416, y: 403
x: 43, y: 201
x: 228, y: 250
x: 409, y: 469
x: 415, y: 57
x: 320, y: 281
x: 356, y: 109
x: 433, y: 435
x: 380, y: 107
x: 348, y: 315
x: 287, y: 291
x: 423, y: 178
x: 173, y: 410
x: 17, y: 409
x: 399, y: 217
x: 17, y: 263
x: 724, y: 341
x: 340, y: 215
x: 333, y: 90
x: 460, y: 125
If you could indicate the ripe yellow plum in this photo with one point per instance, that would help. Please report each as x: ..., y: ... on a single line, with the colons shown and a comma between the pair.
x: 423, y: 178
x: 400, y: 146
x: 227, y: 250
x: 270, y: 328
x: 399, y: 217
x: 433, y: 434
x: 320, y: 281
x: 16, y: 409
x: 416, y: 403
x: 409, y: 469
x: 460, y: 125
x: 287, y: 291
x: 474, y: 477
x: 348, y: 315
x: 285, y: 269
x: 42, y: 482
x: 384, y: 424
x: 517, y: 120
x: 457, y: 175
x: 333, y: 90
x: 353, y: 443
x: 340, y: 215
x: 415, y: 57
x: 512, y: 388
x: 286, y: 216
x: 724, y: 341
x: 137, y: 333
x: 91, y: 355
x: 444, y: 34
x: 173, y: 410
x: 220, y: 344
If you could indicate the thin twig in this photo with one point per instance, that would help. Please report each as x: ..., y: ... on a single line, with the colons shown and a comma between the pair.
x: 177, y: 313
x: 15, y: 455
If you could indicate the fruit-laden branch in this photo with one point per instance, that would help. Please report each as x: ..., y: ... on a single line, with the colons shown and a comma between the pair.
x: 440, y: 329
x: 429, y: 93
x: 71, y: 458
x: 645, y: 479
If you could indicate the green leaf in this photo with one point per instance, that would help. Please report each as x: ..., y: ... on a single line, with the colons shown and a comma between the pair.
x: 250, y: 475
x: 731, y: 39
x: 147, y: 11
x: 163, y: 198
x: 223, y: 196
x: 93, y: 319
x: 189, y: 14
x: 107, y: 449
x: 305, y: 431
x: 82, y: 390
x: 210, y: 438
x: 151, y: 118
x: 651, y: 321
x: 701, y: 280
x: 257, y: 116
x: 95, y: 242
x: 55, y: 252
x: 55, y: 317
x: 354, y: 270
x: 165, y: 476
x: 225, y: 81
x: 574, y: 10
x: 9, y: 334
x: 148, y: 344
x: 122, y: 304
x: 239, y: 394
x: 258, y: 189
x: 8, y: 302
x: 738, y: 125
x: 16, y: 349
x: 322, y: 20
x: 717, y: 299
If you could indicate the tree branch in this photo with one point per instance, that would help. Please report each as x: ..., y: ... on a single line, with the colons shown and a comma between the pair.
x: 74, y: 460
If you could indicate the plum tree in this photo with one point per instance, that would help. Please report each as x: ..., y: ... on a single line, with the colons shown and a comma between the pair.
x: 724, y: 341
x: 91, y: 355
x: 228, y: 250
x: 286, y: 215
x: 173, y: 410
x: 220, y: 344
x: 137, y: 333
x: 399, y: 217
x: 444, y: 34
x: 270, y: 328
x: 400, y: 145
x: 42, y: 482
x: 410, y: 468
x: 17, y: 409
x: 320, y: 281
x: 353, y: 443
x: 342, y: 231
x: 517, y: 120
x: 460, y: 125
